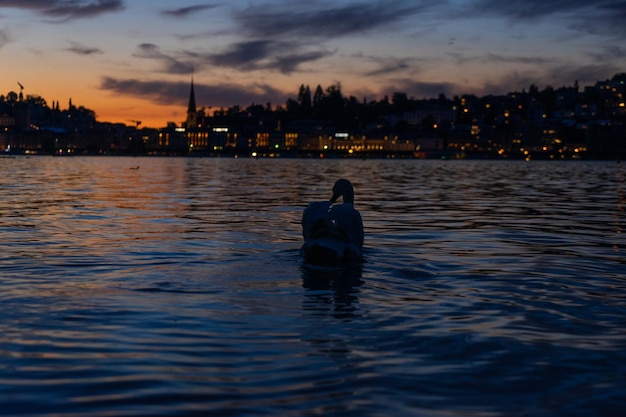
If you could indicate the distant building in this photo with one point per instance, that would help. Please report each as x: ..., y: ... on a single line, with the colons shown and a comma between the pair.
x: 7, y: 121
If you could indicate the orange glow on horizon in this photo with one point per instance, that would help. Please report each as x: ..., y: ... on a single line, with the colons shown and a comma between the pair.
x: 150, y: 115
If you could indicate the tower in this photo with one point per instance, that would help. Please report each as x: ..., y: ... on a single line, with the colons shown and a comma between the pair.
x: 192, y: 113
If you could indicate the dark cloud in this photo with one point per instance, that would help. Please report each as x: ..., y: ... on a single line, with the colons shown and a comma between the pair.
x: 222, y: 94
x: 514, y: 59
x: 158, y: 91
x: 4, y: 38
x: 527, y: 9
x: 243, y: 54
x: 391, y: 65
x: 285, y: 57
x: 284, y: 36
x: 169, y: 63
x: 608, y: 53
x: 288, y: 63
x: 500, y: 59
x: 66, y: 9
x: 608, y: 19
x: 323, y: 19
x: 604, y: 17
x: 189, y: 10
x: 79, y: 49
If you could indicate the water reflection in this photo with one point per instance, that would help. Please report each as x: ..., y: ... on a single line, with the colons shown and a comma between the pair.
x: 330, y: 299
x: 332, y: 289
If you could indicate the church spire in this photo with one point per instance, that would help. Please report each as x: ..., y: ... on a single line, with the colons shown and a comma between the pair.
x: 192, y: 99
x: 192, y: 113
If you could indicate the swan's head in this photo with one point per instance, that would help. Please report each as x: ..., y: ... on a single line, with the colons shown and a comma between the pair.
x: 343, y: 188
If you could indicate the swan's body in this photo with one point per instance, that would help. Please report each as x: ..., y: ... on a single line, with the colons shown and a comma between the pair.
x: 333, y: 233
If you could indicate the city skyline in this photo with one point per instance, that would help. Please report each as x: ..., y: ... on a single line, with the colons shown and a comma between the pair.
x: 128, y: 62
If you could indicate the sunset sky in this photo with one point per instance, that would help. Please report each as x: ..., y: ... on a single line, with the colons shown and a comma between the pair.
x: 133, y: 59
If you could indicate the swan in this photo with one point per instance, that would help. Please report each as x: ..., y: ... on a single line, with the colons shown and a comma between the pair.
x: 333, y: 232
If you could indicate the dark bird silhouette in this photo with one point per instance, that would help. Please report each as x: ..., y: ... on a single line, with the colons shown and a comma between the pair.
x: 333, y: 232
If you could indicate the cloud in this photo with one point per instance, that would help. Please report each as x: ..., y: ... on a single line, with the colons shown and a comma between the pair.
x: 322, y: 19
x: 390, y: 65
x: 608, y: 53
x: 80, y: 49
x: 598, y: 17
x: 288, y: 63
x: 608, y: 19
x: 245, y: 56
x: 4, y: 38
x: 284, y: 36
x: 217, y: 95
x: 244, y: 53
x: 527, y: 9
x: 285, y: 57
x: 189, y: 10
x: 168, y: 63
x: 500, y: 59
x: 66, y: 9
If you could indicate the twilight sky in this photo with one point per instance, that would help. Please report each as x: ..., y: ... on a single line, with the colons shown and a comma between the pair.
x: 133, y: 59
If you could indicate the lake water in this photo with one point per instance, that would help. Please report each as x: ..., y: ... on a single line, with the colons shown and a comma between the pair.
x: 489, y: 288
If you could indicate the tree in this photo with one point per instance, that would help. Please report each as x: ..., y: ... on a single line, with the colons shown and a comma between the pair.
x: 292, y: 106
x: 37, y: 101
x: 619, y: 77
x: 331, y: 105
x: 400, y: 101
x: 548, y: 97
x: 333, y: 93
x: 318, y: 96
x: 304, y: 99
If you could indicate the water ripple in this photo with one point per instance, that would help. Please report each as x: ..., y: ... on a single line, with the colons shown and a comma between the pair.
x: 488, y: 289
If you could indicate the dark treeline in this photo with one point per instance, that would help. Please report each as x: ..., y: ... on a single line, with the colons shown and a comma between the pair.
x: 352, y: 113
